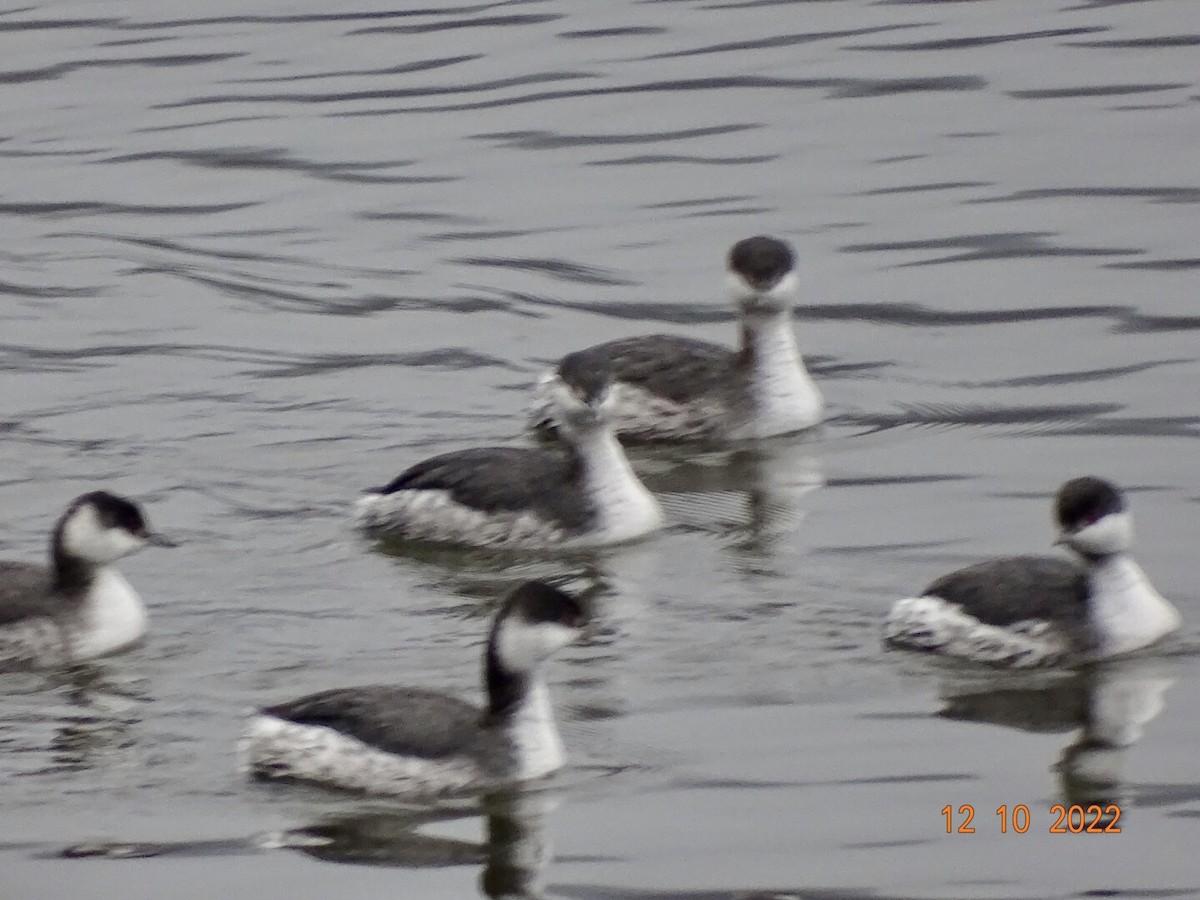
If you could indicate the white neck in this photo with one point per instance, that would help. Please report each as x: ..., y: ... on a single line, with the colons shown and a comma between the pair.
x: 625, y: 508
x: 536, y: 746
x: 1126, y: 611
x: 112, y: 617
x: 783, y: 394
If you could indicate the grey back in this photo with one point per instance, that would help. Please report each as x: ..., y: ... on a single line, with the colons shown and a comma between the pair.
x: 401, y: 720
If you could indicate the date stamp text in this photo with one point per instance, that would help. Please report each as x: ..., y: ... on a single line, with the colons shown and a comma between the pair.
x: 1073, y: 819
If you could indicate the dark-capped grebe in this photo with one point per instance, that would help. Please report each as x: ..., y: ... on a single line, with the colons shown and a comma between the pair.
x: 1035, y: 611
x: 521, y: 497
x: 673, y: 388
x: 79, y: 607
x: 408, y: 741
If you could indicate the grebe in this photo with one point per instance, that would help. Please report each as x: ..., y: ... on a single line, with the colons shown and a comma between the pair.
x: 79, y: 607
x: 523, y: 497
x: 399, y: 740
x: 1026, y: 611
x: 673, y: 388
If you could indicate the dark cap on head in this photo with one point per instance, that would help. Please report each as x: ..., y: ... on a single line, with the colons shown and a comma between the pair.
x: 536, y: 602
x: 761, y: 260
x: 112, y: 511
x: 117, y: 512
x: 1082, y: 501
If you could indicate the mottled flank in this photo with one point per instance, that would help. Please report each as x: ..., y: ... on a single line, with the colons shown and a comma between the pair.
x: 664, y: 387
x: 434, y: 516
x: 929, y: 623
x: 33, y: 643
x: 1019, y: 612
x: 276, y: 748
x: 487, y: 496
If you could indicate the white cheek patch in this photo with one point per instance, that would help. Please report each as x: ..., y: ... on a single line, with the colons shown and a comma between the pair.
x: 522, y: 647
x: 782, y: 294
x: 85, y: 537
x: 1111, y: 534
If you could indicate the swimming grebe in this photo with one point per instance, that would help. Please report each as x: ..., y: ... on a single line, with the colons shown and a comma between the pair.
x: 399, y: 740
x: 519, y: 497
x: 79, y: 607
x: 1035, y: 611
x: 673, y: 388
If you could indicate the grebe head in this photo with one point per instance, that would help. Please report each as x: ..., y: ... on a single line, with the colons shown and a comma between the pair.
x: 581, y: 394
x: 762, y: 275
x: 535, y: 622
x: 1092, y: 518
x: 100, y: 528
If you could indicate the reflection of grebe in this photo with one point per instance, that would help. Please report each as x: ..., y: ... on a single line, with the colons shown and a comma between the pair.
x: 398, y: 740
x: 514, y: 853
x: 1032, y: 611
x: 671, y: 388
x: 752, y: 494
x: 1124, y: 698
x: 80, y: 607
x: 1110, y: 706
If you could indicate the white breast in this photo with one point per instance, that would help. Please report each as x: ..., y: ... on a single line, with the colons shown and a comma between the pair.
x: 112, y: 617
x: 1127, y: 612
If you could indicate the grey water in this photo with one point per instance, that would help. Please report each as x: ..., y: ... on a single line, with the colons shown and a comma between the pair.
x: 256, y: 257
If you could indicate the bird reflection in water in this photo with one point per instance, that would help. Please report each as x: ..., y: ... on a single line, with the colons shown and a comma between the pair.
x: 1106, y: 706
x: 751, y: 497
x: 514, y: 854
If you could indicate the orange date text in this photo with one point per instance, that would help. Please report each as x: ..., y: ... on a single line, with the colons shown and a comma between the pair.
x: 1074, y: 819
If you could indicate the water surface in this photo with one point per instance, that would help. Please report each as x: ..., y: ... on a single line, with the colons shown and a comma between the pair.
x: 257, y: 257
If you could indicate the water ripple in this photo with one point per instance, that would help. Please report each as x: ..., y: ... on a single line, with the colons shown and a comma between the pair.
x: 548, y: 140
x: 558, y: 269
x: 24, y: 76
x: 983, y: 40
x: 454, y: 24
x: 1159, y: 265
x: 1095, y: 90
x: 447, y: 358
x: 1163, y: 194
x: 962, y: 415
x: 93, y: 208
x: 422, y: 65
x: 999, y: 245
x: 268, y: 158
x: 1080, y: 377
x: 1148, y: 43
x: 836, y: 88
x: 659, y: 158
x: 781, y: 40
x: 392, y: 93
